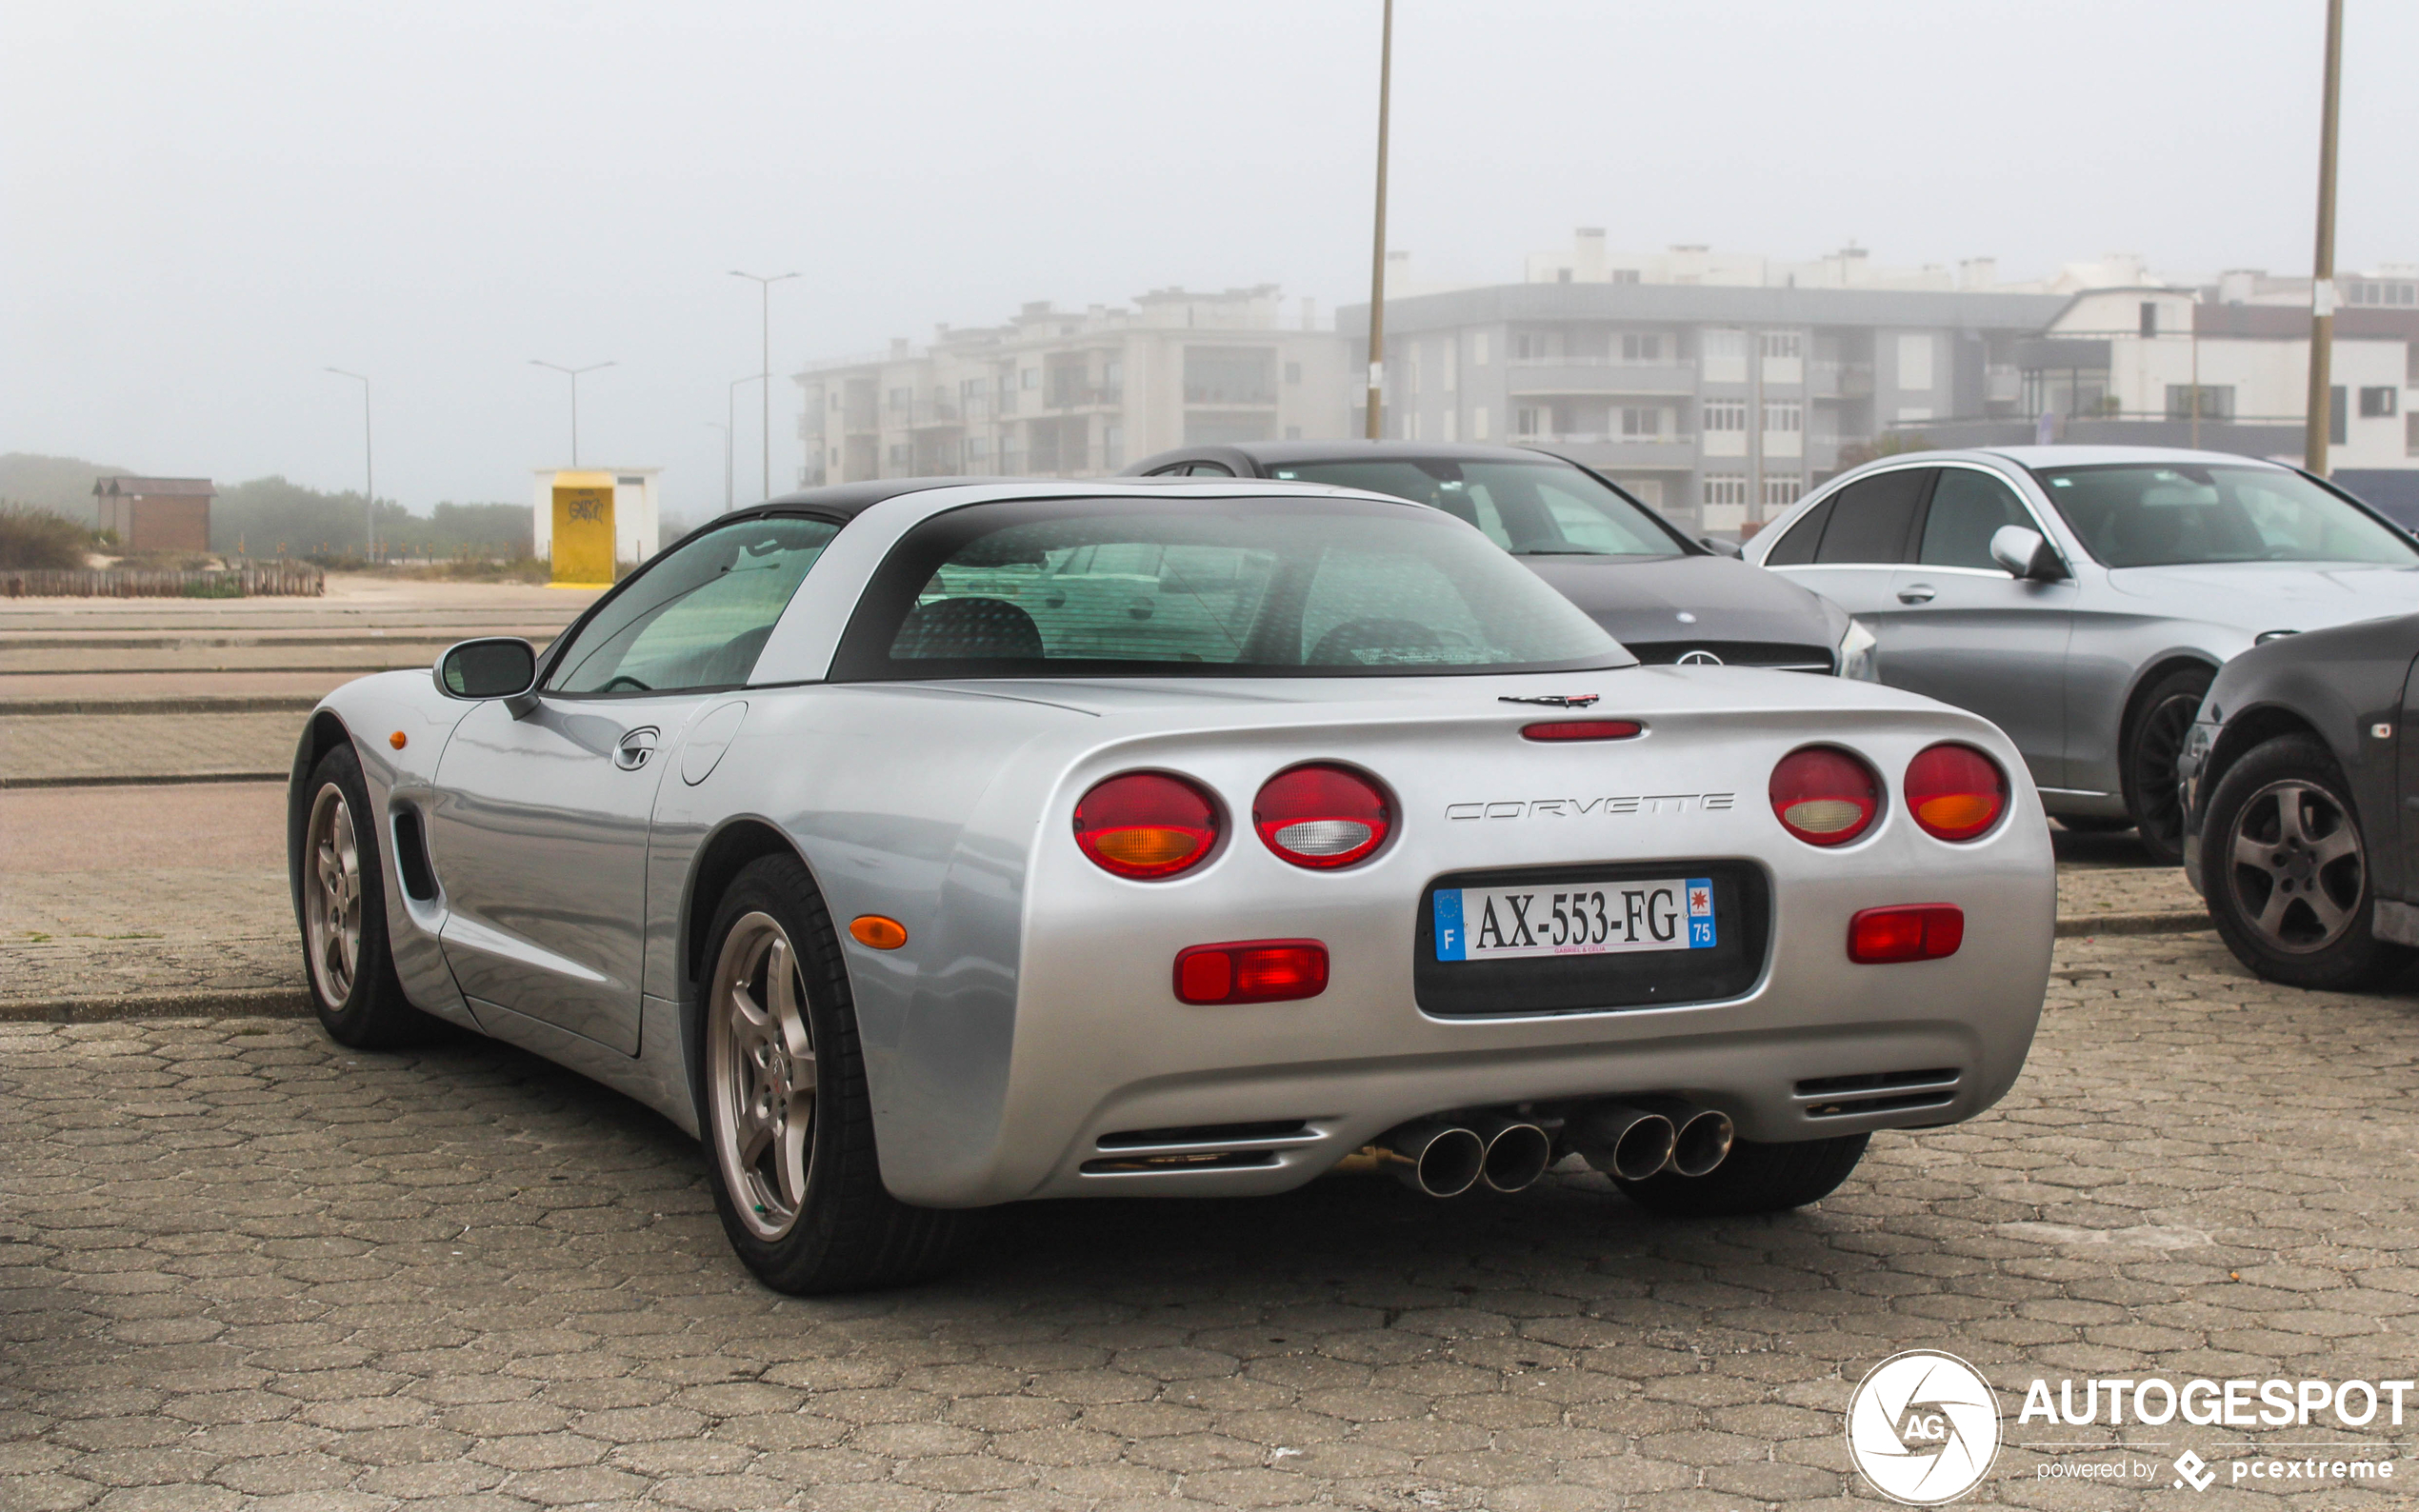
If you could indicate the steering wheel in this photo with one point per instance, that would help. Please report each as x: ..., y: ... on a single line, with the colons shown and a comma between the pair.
x: 614, y: 684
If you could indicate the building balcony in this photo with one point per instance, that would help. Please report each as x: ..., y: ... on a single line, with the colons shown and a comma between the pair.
x: 1616, y: 453
x: 1839, y: 380
x: 1208, y: 395
x: 1566, y: 379
x: 1085, y: 398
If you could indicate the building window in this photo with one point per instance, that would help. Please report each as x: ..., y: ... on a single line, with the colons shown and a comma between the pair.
x: 1726, y: 488
x: 1526, y: 347
x: 2410, y: 434
x: 1784, y: 416
x: 1624, y: 275
x: 1640, y: 348
x: 1780, y: 343
x: 1453, y: 423
x: 1644, y: 425
x: 1450, y: 364
x: 978, y: 451
x: 2410, y: 362
x: 2338, y: 416
x: 1725, y: 414
x: 1528, y: 420
x: 1725, y: 357
x: 1030, y: 378
x: 2149, y: 318
x: 898, y: 454
x: 1113, y: 444
x: 2378, y: 404
x: 1233, y: 375
x: 1478, y: 420
x: 2217, y: 401
x: 902, y: 399
x: 1780, y: 490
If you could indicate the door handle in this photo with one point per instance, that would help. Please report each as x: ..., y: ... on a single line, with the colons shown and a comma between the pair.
x: 635, y: 745
x: 1916, y: 593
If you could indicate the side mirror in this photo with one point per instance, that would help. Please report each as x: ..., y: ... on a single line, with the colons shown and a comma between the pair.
x: 499, y: 666
x: 2025, y: 554
x: 1721, y: 547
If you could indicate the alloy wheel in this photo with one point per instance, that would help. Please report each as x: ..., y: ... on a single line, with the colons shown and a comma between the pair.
x: 2156, y: 746
x: 331, y: 900
x: 2297, y: 869
x: 760, y: 1061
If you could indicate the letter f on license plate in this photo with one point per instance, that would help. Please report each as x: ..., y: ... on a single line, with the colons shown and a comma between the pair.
x: 1566, y: 918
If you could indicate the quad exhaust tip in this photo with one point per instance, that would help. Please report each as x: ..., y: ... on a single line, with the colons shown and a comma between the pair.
x: 1703, y: 1142
x: 1517, y: 1153
x: 1624, y: 1141
x: 1628, y: 1141
x: 1440, y: 1159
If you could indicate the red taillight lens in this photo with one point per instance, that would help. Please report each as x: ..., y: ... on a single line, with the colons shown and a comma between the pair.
x: 1146, y: 824
x: 1583, y: 730
x: 1322, y: 816
x: 1956, y: 792
x: 1251, y: 971
x: 1824, y: 796
x: 1921, y: 931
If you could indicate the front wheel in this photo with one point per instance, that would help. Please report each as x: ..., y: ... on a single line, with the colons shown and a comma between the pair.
x: 786, y: 1113
x: 2287, y: 870
x: 343, y: 894
x: 2153, y: 740
x: 1753, y: 1179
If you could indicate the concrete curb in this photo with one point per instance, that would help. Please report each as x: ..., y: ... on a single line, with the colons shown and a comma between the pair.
x: 2074, y: 926
x: 239, y: 1002
x: 166, y: 704
x: 141, y: 781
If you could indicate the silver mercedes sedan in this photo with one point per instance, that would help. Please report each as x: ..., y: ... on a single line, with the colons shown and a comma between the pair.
x: 2081, y: 598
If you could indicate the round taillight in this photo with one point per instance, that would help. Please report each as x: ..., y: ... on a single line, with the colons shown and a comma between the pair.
x: 1956, y: 792
x: 1322, y: 816
x: 1146, y: 824
x: 1824, y: 796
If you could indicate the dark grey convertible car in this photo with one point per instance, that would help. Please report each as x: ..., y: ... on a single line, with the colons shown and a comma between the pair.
x: 1665, y: 597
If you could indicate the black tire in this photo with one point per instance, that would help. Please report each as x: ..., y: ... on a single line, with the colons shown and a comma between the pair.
x: 1753, y: 1179
x: 362, y: 1004
x: 2153, y: 740
x: 2286, y: 910
x: 2094, y: 824
x: 826, y: 1224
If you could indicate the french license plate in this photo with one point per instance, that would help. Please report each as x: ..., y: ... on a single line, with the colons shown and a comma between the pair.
x: 1574, y: 918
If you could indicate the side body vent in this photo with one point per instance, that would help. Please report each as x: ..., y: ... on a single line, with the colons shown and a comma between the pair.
x: 411, y: 857
x: 1877, y: 1092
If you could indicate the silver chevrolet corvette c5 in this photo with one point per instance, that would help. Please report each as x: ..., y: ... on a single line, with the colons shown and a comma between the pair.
x: 927, y: 845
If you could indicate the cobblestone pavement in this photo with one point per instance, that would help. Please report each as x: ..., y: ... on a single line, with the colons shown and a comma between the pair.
x: 117, y: 747
x: 240, y: 1266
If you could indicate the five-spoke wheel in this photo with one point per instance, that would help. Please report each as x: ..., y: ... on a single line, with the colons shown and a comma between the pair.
x: 332, y: 894
x: 760, y: 1058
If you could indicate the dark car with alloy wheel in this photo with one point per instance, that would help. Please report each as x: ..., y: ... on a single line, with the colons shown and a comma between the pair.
x: 2299, y: 783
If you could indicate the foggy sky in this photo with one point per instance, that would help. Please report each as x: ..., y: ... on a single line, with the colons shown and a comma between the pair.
x: 202, y: 205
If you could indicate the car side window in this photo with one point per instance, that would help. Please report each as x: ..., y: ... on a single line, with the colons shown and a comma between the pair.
x: 698, y: 616
x: 1872, y: 517
x: 1968, y: 508
x: 1209, y: 470
x: 1797, y: 548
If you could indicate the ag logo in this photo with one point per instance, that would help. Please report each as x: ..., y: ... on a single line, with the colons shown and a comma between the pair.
x: 1924, y: 1427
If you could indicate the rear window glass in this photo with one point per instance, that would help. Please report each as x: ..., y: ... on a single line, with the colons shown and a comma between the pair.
x: 1529, y: 509
x: 1327, y: 587
x: 2172, y: 515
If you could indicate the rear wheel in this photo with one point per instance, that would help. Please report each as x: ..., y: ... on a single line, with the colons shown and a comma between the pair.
x: 1753, y: 1179
x: 2287, y: 870
x: 2153, y: 739
x: 787, y: 1116
x: 352, y: 976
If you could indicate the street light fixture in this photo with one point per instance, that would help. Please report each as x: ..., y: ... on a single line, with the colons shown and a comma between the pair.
x: 764, y: 284
x: 573, y: 373
x: 369, y: 476
x: 1377, y: 257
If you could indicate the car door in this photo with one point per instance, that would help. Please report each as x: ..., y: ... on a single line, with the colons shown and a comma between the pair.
x: 1970, y: 633
x: 539, y: 833
x: 1850, y: 546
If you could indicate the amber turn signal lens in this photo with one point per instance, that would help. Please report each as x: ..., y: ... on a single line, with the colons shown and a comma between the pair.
x: 872, y: 930
x: 1956, y: 792
x: 1146, y: 825
x: 1921, y: 931
x: 398, y: 740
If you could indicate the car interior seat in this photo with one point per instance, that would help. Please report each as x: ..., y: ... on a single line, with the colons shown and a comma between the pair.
x: 958, y: 629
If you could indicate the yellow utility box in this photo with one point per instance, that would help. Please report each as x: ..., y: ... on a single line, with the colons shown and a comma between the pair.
x: 583, y: 535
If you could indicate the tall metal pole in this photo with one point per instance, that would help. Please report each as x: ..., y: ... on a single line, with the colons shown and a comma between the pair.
x: 573, y: 373
x: 2320, y: 419
x: 765, y: 285
x: 1377, y: 255
x: 368, y: 474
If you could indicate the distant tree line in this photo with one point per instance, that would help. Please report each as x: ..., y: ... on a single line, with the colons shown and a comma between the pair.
x: 270, y: 516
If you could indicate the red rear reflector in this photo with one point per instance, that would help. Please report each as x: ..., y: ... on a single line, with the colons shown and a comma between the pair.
x: 1322, y: 816
x: 1824, y: 796
x: 1583, y: 730
x: 1955, y: 792
x: 1921, y: 931
x: 1251, y: 971
x: 1146, y: 824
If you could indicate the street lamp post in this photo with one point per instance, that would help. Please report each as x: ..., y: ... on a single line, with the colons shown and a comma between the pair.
x: 717, y: 425
x: 573, y: 373
x: 764, y: 284
x: 369, y: 474
x: 2318, y: 423
x: 1377, y: 254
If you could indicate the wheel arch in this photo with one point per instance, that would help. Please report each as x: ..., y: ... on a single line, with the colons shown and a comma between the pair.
x: 2246, y: 732
x: 724, y: 855
x: 2152, y: 673
x: 324, y: 732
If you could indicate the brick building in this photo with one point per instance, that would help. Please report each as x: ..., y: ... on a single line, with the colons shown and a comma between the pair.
x: 156, y: 514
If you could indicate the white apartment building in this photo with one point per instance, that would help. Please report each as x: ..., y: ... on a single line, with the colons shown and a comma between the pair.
x: 1061, y: 393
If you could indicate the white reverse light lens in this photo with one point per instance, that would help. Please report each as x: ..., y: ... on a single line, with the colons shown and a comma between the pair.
x: 1324, y: 837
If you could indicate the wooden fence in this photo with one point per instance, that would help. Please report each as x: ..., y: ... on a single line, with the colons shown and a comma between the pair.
x: 253, y: 580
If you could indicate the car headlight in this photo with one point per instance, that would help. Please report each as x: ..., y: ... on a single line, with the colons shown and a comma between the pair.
x: 1856, y: 648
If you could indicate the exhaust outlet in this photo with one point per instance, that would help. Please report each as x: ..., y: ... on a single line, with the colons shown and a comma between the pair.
x: 1625, y: 1142
x: 1703, y: 1141
x: 1517, y: 1153
x: 1442, y: 1159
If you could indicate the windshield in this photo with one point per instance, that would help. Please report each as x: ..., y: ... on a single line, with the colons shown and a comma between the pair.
x: 1259, y: 588
x: 1529, y: 509
x: 2168, y: 515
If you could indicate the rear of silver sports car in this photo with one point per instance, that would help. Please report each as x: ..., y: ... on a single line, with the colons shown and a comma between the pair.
x: 1259, y: 943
